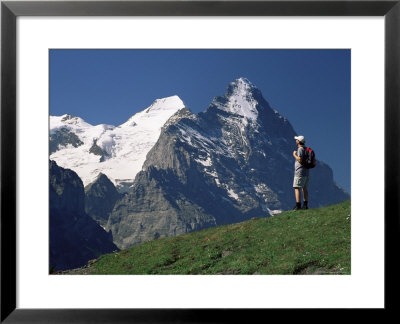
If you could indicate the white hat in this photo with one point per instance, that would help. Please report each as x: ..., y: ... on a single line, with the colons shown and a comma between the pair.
x: 301, y: 138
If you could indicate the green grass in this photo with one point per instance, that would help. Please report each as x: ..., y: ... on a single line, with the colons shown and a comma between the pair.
x: 314, y: 241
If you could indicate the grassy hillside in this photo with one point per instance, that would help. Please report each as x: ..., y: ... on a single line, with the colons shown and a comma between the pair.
x: 314, y: 241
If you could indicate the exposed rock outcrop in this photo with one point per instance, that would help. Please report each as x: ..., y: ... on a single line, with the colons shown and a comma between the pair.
x: 75, y: 238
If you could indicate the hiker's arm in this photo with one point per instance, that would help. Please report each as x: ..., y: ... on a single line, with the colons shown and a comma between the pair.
x: 298, y: 158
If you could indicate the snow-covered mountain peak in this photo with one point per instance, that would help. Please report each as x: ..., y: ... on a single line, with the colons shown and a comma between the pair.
x: 239, y: 99
x: 68, y: 122
x: 75, y: 124
x: 117, y: 152
x: 160, y: 109
x: 74, y: 120
x: 242, y: 85
x: 168, y: 103
x: 67, y: 117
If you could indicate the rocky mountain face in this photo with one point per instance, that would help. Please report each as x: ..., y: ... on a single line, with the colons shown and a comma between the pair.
x: 228, y: 164
x: 100, y: 198
x: 63, y: 137
x: 75, y: 238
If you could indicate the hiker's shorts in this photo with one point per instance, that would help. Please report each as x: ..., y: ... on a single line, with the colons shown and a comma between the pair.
x: 300, y: 181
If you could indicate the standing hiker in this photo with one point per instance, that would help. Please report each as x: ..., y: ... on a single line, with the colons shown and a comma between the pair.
x: 301, y: 173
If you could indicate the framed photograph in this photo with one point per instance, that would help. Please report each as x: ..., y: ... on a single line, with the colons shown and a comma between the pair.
x: 333, y: 60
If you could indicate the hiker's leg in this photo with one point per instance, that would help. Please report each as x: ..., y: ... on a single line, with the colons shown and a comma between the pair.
x: 305, y: 193
x: 297, y: 194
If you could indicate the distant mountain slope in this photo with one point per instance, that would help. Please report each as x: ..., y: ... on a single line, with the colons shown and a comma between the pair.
x: 117, y: 152
x: 228, y: 164
x: 100, y: 198
x: 75, y: 238
x: 314, y: 241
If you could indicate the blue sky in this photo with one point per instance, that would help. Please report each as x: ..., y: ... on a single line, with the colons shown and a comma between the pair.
x: 311, y: 88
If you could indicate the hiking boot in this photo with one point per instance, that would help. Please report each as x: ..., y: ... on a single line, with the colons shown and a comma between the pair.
x: 296, y: 208
x: 304, y: 207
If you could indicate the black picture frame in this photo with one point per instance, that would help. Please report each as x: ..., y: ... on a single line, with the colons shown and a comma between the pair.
x: 10, y: 10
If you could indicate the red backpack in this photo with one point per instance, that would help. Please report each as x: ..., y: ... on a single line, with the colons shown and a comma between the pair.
x: 308, y: 160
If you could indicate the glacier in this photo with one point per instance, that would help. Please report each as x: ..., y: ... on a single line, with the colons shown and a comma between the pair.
x: 118, y: 152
